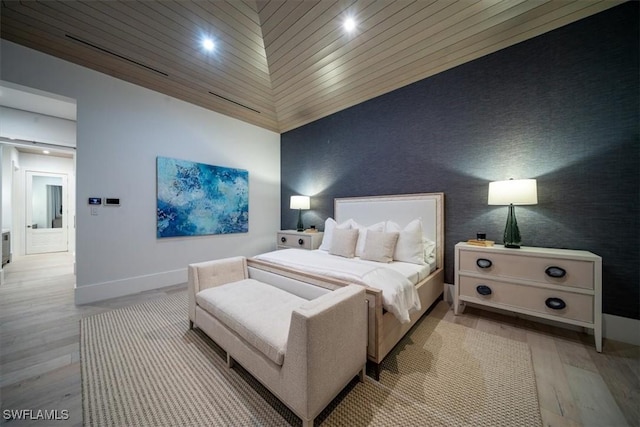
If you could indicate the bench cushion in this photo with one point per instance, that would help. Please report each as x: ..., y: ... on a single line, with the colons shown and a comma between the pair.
x: 257, y: 312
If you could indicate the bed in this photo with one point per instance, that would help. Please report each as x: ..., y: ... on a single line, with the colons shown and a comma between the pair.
x: 386, y: 326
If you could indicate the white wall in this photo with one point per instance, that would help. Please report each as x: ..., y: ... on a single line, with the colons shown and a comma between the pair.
x: 121, y: 129
x: 9, y: 159
x: 2, y: 168
x: 30, y: 126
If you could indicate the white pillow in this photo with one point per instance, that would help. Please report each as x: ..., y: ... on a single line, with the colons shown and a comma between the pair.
x: 329, y: 225
x: 409, y: 247
x: 379, y: 246
x: 343, y: 242
x: 429, y: 248
x: 362, y: 234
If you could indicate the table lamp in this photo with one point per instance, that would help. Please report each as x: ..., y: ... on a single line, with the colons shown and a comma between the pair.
x: 513, y: 192
x: 300, y: 202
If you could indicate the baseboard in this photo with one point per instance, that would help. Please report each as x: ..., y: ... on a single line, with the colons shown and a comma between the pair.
x: 129, y: 286
x: 613, y: 327
x: 448, y: 293
x: 620, y: 328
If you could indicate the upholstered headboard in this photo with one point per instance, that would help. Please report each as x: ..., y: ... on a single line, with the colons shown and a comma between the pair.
x: 402, y: 209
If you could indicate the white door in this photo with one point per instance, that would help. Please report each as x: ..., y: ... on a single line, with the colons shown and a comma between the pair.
x: 46, y: 213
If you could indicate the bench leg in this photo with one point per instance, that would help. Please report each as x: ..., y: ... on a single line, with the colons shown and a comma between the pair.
x: 376, y: 370
x: 230, y: 361
x: 362, y: 373
x: 190, y: 324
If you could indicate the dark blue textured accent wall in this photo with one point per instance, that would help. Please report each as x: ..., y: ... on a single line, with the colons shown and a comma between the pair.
x: 562, y: 108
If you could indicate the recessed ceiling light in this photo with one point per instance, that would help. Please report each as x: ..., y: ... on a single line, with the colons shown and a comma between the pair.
x: 45, y: 151
x: 208, y: 44
x: 349, y: 24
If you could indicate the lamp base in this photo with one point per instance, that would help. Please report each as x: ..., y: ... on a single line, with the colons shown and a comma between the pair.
x: 511, y: 232
x: 300, y: 227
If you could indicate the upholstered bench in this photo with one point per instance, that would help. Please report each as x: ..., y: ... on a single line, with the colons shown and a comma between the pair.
x: 258, y: 313
x: 304, y: 351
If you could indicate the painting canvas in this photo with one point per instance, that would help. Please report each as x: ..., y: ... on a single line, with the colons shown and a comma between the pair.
x: 198, y: 199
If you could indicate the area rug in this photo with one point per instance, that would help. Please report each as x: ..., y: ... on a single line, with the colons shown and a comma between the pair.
x: 143, y: 366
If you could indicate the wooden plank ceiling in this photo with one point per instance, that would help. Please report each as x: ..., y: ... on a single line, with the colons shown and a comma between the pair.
x: 280, y: 64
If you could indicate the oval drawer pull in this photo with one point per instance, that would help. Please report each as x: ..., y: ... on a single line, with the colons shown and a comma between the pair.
x: 300, y: 242
x: 483, y: 290
x: 483, y: 263
x: 555, y: 272
x: 283, y: 239
x: 555, y: 303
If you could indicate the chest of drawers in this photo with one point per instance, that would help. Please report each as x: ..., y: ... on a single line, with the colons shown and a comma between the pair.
x: 298, y: 239
x: 556, y: 284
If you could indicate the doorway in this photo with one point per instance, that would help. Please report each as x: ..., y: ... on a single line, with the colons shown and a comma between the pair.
x: 46, y: 213
x: 38, y: 134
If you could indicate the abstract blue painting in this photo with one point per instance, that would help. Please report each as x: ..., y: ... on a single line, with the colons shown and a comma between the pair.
x: 197, y: 199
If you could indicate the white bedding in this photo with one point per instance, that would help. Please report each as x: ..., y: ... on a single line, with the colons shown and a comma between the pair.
x: 399, y: 295
x: 414, y: 272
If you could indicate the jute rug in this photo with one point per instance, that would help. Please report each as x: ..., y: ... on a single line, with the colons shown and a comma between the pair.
x: 142, y: 366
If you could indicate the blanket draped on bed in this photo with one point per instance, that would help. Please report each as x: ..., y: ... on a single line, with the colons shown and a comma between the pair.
x: 399, y: 295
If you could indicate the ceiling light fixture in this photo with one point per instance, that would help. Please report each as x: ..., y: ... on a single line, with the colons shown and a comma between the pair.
x: 208, y: 44
x: 349, y: 24
x: 45, y: 151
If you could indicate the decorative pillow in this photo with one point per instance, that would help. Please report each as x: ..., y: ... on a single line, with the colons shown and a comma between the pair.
x: 379, y: 246
x: 362, y: 234
x: 329, y: 225
x: 429, y: 248
x: 344, y: 242
x: 409, y: 247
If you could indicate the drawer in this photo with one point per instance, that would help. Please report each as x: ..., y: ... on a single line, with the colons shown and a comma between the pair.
x: 568, y: 272
x: 512, y: 296
x: 302, y: 241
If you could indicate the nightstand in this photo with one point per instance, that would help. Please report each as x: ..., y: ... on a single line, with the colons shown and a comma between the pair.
x: 288, y: 239
x: 555, y: 284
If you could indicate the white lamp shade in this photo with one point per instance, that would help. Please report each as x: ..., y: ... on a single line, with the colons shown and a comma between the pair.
x: 513, y: 191
x: 300, y: 202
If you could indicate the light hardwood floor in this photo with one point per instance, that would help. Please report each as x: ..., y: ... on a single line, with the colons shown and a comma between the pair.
x: 40, y: 336
x: 577, y: 386
x: 40, y: 367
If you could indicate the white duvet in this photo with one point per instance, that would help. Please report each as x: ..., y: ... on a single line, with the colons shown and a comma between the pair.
x: 399, y: 295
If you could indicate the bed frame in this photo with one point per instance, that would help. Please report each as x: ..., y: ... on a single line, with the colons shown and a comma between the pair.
x: 385, y: 331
